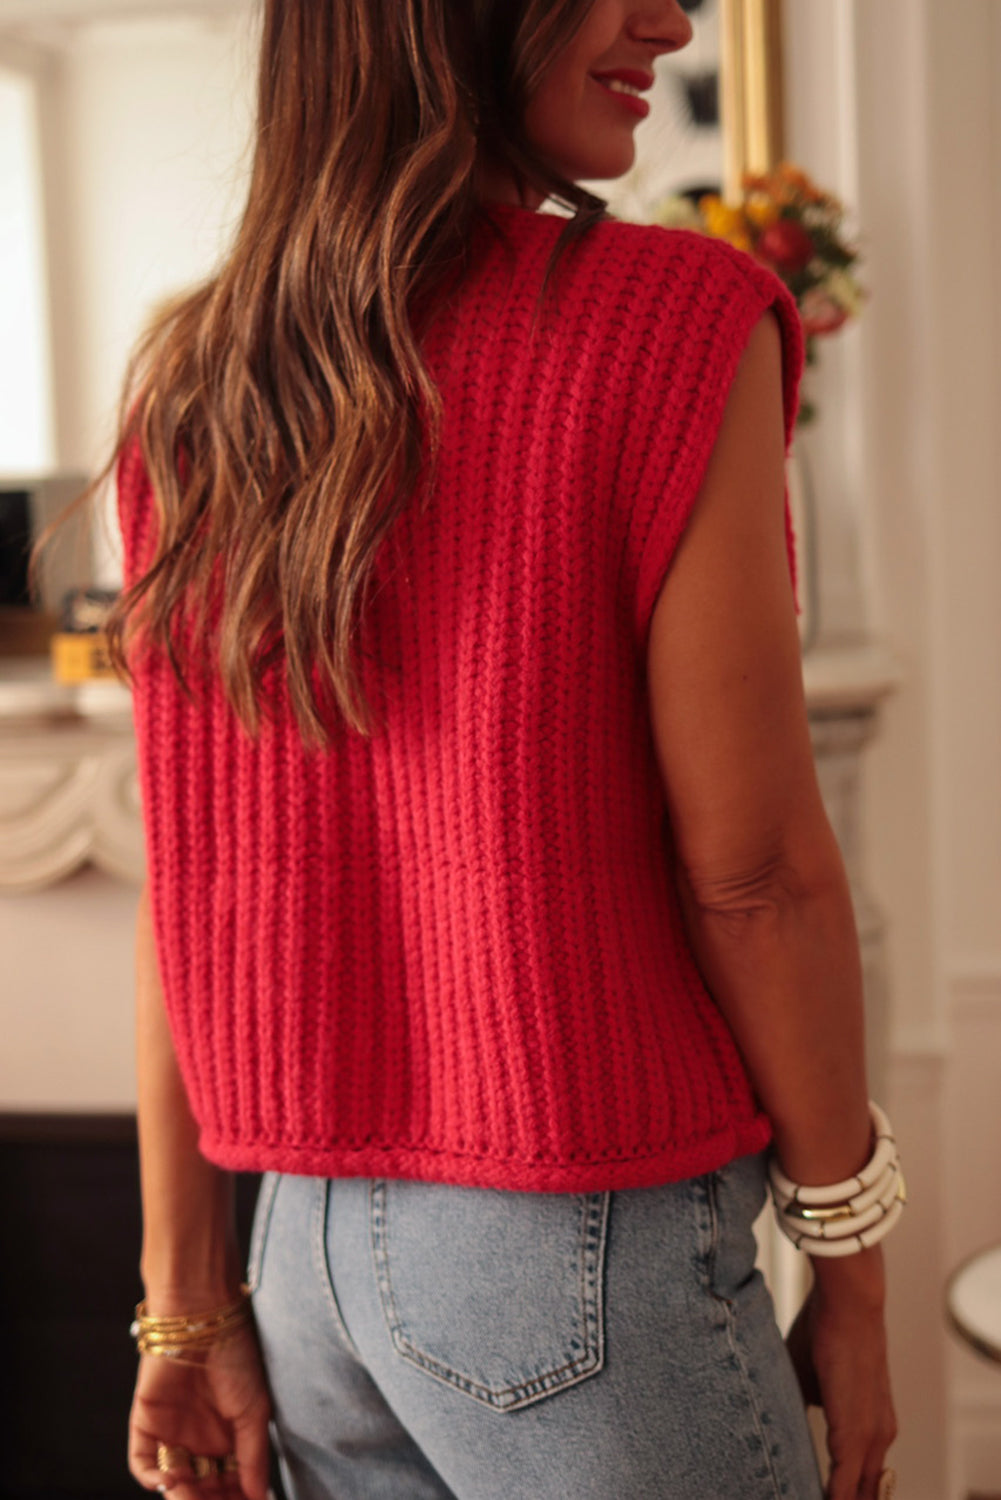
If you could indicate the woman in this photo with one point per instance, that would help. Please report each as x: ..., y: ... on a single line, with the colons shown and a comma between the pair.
x: 492, y: 909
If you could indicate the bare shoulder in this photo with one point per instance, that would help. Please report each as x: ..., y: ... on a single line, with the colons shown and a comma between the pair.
x: 724, y: 675
x: 743, y: 489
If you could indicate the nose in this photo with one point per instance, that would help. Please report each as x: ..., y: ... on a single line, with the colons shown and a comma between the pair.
x: 662, y: 25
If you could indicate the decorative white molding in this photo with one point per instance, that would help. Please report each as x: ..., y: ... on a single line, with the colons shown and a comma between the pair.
x: 29, y: 694
x: 844, y: 688
x: 68, y: 788
x: 972, y: 986
x: 847, y: 679
x: 929, y: 1043
x: 68, y: 795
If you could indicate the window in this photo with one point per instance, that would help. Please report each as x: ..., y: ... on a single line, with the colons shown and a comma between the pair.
x: 26, y: 442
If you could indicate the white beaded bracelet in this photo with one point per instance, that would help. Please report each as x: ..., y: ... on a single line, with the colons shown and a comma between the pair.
x: 842, y: 1218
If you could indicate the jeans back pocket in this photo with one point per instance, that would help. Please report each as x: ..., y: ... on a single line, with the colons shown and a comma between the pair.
x: 499, y: 1294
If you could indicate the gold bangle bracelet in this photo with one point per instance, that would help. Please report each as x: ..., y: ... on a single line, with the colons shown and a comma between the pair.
x: 169, y: 1336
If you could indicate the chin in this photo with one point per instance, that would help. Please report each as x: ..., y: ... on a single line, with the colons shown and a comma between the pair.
x: 606, y: 165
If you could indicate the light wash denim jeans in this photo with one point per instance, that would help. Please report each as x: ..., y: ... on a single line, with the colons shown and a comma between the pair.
x: 431, y: 1342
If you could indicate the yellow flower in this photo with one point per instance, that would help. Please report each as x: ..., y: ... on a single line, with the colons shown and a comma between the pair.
x: 740, y: 241
x: 761, y: 210
x: 721, y: 218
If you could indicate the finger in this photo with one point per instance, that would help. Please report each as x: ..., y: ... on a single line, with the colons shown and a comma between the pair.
x: 148, y: 1475
x: 146, y: 1465
x: 217, y: 1477
x: 253, y: 1457
x: 856, y: 1449
x: 177, y: 1472
x: 887, y: 1486
x: 174, y: 1483
x: 197, y: 1486
x: 878, y: 1482
x: 843, y: 1480
x: 185, y: 1488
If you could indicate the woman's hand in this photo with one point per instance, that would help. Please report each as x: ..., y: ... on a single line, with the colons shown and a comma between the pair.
x: 838, y: 1348
x: 212, y: 1410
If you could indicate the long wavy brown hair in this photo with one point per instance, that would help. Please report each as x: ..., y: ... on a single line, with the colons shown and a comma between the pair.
x: 284, y: 411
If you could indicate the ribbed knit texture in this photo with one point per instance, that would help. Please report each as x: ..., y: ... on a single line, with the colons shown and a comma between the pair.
x: 454, y: 951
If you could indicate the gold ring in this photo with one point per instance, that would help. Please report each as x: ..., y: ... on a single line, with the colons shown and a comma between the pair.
x: 169, y: 1457
x: 887, y: 1485
x: 205, y: 1465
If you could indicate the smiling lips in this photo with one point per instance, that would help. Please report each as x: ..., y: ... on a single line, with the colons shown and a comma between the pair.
x: 625, y: 85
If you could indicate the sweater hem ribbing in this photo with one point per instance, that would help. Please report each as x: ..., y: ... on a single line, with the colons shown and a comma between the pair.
x: 671, y: 1163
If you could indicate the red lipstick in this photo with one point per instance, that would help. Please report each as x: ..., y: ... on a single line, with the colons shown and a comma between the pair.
x: 635, y: 105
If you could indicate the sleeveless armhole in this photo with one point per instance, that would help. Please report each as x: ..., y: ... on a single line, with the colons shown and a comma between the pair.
x: 734, y: 293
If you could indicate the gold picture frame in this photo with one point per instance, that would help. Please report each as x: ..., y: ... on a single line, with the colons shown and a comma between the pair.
x: 751, y: 90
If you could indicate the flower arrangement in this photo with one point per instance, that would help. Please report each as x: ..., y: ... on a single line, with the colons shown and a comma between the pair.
x: 795, y: 228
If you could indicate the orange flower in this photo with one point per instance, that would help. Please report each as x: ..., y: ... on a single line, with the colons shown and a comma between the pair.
x: 788, y: 172
x: 761, y: 210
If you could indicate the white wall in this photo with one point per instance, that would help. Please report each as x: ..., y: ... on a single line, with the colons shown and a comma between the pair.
x: 148, y: 123
x: 25, y: 381
x: 896, y: 102
x: 66, y: 998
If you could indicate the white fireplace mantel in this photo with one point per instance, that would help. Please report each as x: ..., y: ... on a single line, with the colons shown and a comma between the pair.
x: 68, y: 789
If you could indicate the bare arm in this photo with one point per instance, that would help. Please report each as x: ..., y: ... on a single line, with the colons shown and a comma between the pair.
x: 763, y: 886
x: 190, y: 1263
x: 765, y: 893
x: 190, y: 1259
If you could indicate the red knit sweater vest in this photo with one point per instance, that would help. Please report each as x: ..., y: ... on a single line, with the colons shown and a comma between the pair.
x: 453, y: 951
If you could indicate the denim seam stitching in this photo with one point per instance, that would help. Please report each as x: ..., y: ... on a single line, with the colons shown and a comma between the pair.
x: 321, y: 1265
x: 592, y: 1216
x: 262, y: 1228
x: 777, y: 1487
x: 729, y: 1310
x: 704, y: 1207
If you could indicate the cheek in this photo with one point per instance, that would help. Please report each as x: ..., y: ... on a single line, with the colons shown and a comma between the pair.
x: 553, y: 115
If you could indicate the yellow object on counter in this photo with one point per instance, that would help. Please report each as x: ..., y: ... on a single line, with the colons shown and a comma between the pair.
x: 80, y: 656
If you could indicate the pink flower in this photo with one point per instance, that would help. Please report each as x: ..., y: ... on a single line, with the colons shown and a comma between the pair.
x: 820, y: 313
